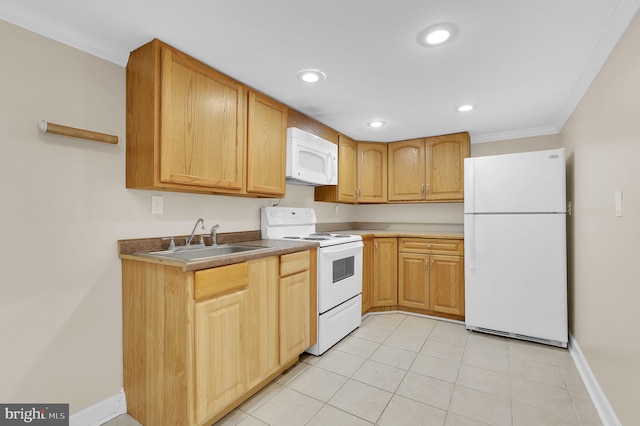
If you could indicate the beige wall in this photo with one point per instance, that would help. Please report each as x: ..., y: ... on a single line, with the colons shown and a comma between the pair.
x: 64, y: 206
x: 602, y: 139
x: 534, y: 143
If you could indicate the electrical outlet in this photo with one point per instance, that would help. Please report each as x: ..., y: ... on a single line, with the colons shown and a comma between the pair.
x: 157, y: 204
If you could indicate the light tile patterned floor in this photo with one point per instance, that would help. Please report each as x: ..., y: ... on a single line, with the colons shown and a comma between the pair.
x: 399, y: 369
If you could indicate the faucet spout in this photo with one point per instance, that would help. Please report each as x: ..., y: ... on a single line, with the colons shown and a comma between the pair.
x: 214, y: 236
x: 199, y: 221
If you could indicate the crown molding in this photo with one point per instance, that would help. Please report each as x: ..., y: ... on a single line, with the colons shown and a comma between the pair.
x: 617, y: 25
x: 32, y: 20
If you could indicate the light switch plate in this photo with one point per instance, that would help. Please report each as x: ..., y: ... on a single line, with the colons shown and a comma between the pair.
x: 618, y: 203
x: 157, y: 204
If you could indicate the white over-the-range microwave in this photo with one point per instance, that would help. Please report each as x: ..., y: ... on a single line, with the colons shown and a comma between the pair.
x: 311, y: 160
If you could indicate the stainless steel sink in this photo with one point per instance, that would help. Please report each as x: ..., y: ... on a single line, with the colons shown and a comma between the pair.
x: 200, y: 253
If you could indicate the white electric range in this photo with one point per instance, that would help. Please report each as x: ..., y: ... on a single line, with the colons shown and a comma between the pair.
x: 339, y: 270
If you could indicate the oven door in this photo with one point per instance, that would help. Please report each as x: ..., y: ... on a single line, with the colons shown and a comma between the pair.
x: 339, y: 274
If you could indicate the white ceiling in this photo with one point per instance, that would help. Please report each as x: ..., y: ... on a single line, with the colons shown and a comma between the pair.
x: 523, y: 64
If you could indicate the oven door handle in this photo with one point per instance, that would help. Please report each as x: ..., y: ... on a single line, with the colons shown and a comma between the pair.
x: 340, y: 248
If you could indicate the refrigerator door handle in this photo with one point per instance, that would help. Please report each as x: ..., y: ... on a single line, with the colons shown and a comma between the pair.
x: 471, y: 261
x: 470, y: 186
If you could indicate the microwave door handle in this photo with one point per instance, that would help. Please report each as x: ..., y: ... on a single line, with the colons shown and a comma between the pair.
x: 330, y: 173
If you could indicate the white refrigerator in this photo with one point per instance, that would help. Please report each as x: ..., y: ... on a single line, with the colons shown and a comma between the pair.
x: 515, y: 246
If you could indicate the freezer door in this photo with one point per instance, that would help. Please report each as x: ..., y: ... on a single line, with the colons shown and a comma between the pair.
x: 515, y: 274
x: 531, y: 182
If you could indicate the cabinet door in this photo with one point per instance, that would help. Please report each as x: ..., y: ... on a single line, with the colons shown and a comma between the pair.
x: 385, y: 272
x: 407, y: 169
x: 261, y: 335
x: 266, y: 145
x: 445, y: 166
x: 202, y: 131
x: 220, y: 363
x: 372, y: 172
x: 294, y: 316
x: 347, y: 170
x: 447, y: 284
x: 367, y: 258
x: 413, y: 280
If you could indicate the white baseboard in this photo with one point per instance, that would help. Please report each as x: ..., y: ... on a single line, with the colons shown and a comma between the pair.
x: 603, y: 407
x: 101, y: 412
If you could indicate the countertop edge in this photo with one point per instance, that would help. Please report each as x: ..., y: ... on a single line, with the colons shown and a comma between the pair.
x: 368, y: 233
x: 276, y: 248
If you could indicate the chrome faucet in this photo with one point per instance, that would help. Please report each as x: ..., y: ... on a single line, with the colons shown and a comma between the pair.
x: 188, y: 242
x: 214, y: 236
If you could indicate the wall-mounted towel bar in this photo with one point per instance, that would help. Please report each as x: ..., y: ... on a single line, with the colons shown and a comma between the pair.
x: 58, y: 129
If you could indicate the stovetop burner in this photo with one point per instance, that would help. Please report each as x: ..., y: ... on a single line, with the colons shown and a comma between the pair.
x: 312, y: 237
x: 298, y: 224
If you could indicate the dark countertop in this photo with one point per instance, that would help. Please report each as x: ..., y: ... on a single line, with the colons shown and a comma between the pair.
x: 134, y: 249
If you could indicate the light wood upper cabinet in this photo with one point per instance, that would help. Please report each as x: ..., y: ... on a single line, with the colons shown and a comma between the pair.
x: 201, y: 116
x: 372, y: 172
x: 185, y: 124
x: 347, y: 169
x: 191, y: 128
x: 362, y: 173
x: 407, y: 167
x: 266, y: 145
x: 385, y: 272
x: 429, y: 169
x: 445, y: 166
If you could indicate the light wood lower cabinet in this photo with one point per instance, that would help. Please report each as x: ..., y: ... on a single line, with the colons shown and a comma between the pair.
x: 197, y: 344
x: 220, y: 358
x: 262, y: 332
x: 446, y: 284
x: 385, y: 272
x: 294, y: 302
x: 413, y: 280
x: 422, y: 275
x: 367, y: 252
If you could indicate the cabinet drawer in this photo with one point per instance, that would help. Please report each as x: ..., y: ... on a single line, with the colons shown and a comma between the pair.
x: 294, y: 263
x: 431, y: 246
x: 225, y: 279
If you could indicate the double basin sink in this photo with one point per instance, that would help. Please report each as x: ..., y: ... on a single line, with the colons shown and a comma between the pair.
x: 194, y: 253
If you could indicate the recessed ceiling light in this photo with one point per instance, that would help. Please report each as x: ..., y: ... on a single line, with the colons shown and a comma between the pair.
x: 376, y: 123
x: 437, y: 37
x: 311, y: 76
x: 436, y: 34
x: 464, y: 108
